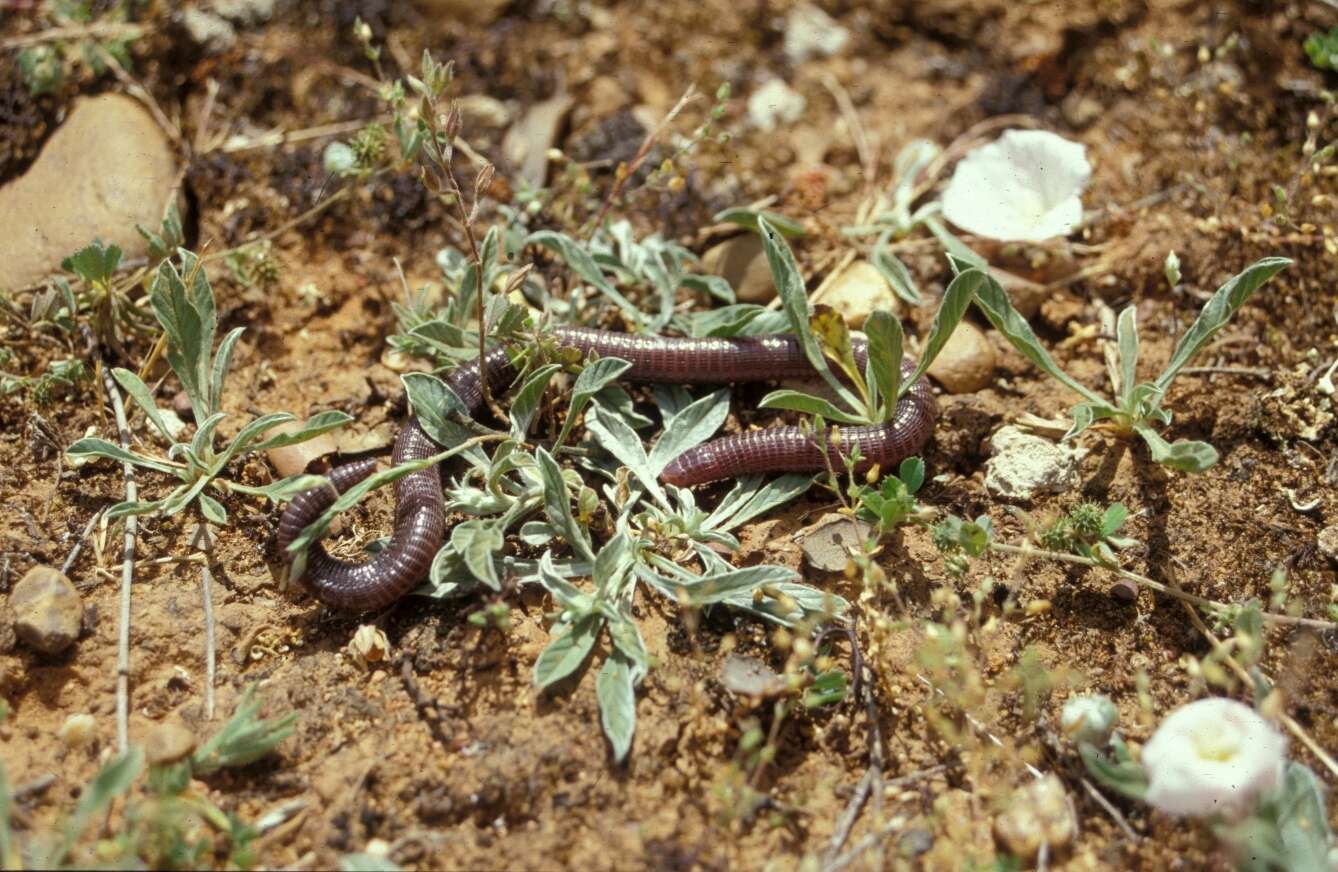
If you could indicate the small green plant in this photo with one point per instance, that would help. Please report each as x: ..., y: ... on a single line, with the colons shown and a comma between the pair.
x: 824, y: 337
x: 1137, y: 406
x: 170, y: 827
x: 44, y: 67
x: 1090, y: 531
x: 183, y: 302
x: 1322, y: 49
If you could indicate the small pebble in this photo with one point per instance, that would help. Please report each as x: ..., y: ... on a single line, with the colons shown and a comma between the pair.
x: 967, y: 361
x: 48, y: 611
x: 1038, y: 814
x: 775, y: 104
x: 1023, y: 465
x: 742, y: 262
x: 1124, y: 590
x: 1328, y: 542
x: 78, y: 731
x: 169, y: 742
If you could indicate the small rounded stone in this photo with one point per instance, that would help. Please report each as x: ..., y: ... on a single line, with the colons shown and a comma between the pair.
x: 168, y: 743
x: 48, y: 611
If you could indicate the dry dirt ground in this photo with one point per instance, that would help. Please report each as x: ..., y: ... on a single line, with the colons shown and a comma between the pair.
x: 1192, y: 115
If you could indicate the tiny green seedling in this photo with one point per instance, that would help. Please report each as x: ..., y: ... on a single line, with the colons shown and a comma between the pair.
x: 183, y: 301
x: 1089, y: 531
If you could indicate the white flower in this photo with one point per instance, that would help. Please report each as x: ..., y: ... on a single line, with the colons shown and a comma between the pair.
x: 1025, y: 186
x: 1213, y: 756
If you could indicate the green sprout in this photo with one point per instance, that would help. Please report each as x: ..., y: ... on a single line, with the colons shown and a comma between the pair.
x: 183, y: 302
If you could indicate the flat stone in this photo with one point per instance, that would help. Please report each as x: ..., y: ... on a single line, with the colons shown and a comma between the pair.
x: 106, y: 169
x: 828, y: 543
x: 742, y: 262
x: 857, y: 292
x: 47, y: 610
x: 527, y: 142
x: 967, y: 361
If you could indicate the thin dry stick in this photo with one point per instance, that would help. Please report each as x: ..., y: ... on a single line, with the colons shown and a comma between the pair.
x: 1177, y: 593
x: 1111, y: 810
x: 127, y: 573
x: 887, y: 829
x: 98, y: 29
x: 204, y: 542
x: 1287, y: 720
x: 79, y: 543
x: 620, y: 178
x: 280, y: 137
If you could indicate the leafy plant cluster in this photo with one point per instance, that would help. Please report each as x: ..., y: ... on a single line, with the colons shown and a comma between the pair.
x: 172, y: 826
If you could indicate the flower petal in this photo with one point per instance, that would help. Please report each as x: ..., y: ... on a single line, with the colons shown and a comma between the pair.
x: 1024, y: 186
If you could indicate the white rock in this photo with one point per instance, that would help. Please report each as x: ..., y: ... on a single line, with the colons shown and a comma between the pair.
x: 773, y: 104
x: 1025, y: 186
x: 1024, y: 465
x: 207, y: 29
x: 812, y: 33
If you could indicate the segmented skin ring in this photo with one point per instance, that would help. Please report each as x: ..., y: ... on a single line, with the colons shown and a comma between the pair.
x: 420, y: 512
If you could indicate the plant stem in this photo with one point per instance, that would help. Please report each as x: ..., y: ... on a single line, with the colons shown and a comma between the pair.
x: 1177, y: 593
x: 204, y: 542
x: 127, y: 573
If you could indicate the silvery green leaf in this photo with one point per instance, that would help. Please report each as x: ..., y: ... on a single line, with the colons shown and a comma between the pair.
x: 753, y: 219
x: 956, y: 299
x: 476, y: 542
x: 799, y: 401
x: 202, y: 443
x: 222, y: 362
x: 527, y: 399
x: 670, y: 399
x: 960, y: 255
x: 583, y: 264
x: 121, y: 509
x: 741, y: 319
x: 620, y: 440
x: 248, y: 435
x: 213, y: 510
x: 557, y: 504
x: 449, y: 577
x: 1084, y: 415
x: 808, y: 602
x: 321, y: 422
x: 431, y: 400
x: 613, y: 562
x: 594, y: 377
x: 751, y: 496
x: 627, y: 639
x: 568, y: 649
x: 794, y: 300
x: 537, y: 533
x: 885, y: 344
x: 143, y: 397
x: 616, y: 399
x: 722, y: 586
x: 1303, y: 823
x: 998, y: 309
x: 616, y: 691
x: 690, y: 427
x: 111, y: 782
x: 1126, y: 332
x: 1217, y: 311
x: 91, y: 446
x: 716, y: 286
x: 895, y: 273
x: 1185, y: 455
x: 285, y: 488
